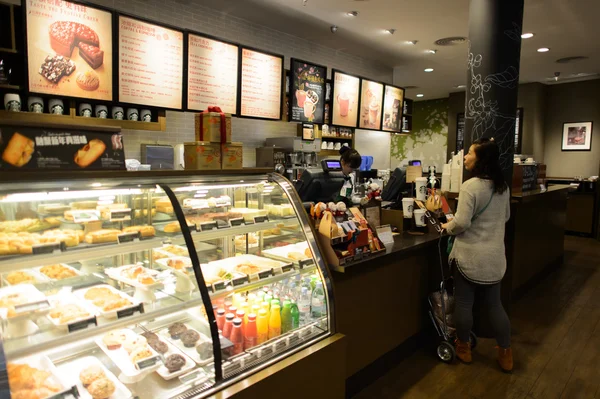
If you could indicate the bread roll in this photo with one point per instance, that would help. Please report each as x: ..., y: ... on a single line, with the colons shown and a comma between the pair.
x: 145, y: 231
x: 102, y: 236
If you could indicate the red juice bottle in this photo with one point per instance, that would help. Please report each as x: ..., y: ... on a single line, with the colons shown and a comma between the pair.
x: 237, y: 337
x: 228, y: 325
x: 220, y: 316
x: 240, y: 314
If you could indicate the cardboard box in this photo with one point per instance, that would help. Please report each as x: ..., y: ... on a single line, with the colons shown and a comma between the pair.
x: 202, y: 155
x: 208, y: 127
x: 232, y: 156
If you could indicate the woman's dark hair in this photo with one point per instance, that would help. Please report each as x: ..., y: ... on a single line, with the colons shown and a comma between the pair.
x: 487, y: 165
x: 350, y: 157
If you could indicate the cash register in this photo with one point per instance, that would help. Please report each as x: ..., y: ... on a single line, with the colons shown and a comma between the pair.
x: 321, y: 184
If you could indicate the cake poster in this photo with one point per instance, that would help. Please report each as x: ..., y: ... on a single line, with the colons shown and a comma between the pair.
x: 150, y: 64
x: 262, y: 84
x: 392, y: 109
x: 345, y: 99
x: 371, y: 103
x: 212, y: 74
x: 28, y: 148
x: 308, y: 92
x: 69, y: 49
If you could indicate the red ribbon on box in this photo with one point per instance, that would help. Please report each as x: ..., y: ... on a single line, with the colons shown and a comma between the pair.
x: 223, y: 123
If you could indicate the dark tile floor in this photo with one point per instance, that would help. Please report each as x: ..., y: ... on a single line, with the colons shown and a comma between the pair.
x: 556, y: 339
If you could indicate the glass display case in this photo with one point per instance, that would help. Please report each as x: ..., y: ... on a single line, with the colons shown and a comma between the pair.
x: 154, y: 285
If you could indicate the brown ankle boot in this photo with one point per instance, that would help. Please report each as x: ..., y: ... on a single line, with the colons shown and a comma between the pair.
x: 505, y: 359
x: 463, y: 351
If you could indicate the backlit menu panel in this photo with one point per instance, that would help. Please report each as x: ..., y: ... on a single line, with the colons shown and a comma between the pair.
x: 346, y: 89
x: 260, y: 91
x: 150, y: 64
x: 212, y: 74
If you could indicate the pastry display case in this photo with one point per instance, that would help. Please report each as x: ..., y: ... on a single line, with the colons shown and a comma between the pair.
x: 154, y: 285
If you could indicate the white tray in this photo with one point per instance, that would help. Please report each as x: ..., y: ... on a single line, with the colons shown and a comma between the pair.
x: 115, y: 273
x: 266, y: 266
x: 112, y: 313
x: 45, y: 364
x: 72, y: 370
x: 77, y: 272
x: 163, y: 371
x: 30, y: 292
x: 70, y: 299
x: 190, y: 352
x: 164, y: 263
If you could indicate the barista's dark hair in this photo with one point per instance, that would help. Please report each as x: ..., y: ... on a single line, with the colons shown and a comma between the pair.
x: 350, y: 157
x: 487, y: 165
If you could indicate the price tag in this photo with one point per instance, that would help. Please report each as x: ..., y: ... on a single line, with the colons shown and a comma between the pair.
x: 130, y: 311
x: 220, y: 286
x: 261, y: 219
x: 267, y: 350
x: 287, y: 268
x: 385, y: 234
x: 48, y: 248
x: 85, y: 216
x: 265, y: 274
x: 70, y: 393
x: 239, y: 281
x: 147, y: 363
x: 306, y: 332
x: 120, y: 215
x: 280, y: 345
x: 208, y: 226
x: 237, y: 222
x: 32, y: 306
x: 128, y: 237
x: 83, y: 324
x: 293, y: 339
x: 230, y: 367
x: 184, y: 379
x: 305, y: 262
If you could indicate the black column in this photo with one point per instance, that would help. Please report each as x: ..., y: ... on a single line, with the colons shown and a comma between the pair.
x: 491, y: 103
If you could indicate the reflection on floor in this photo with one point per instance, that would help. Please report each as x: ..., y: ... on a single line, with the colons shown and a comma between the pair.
x: 556, y: 338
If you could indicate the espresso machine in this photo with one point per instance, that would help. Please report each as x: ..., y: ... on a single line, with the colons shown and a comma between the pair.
x: 299, y: 154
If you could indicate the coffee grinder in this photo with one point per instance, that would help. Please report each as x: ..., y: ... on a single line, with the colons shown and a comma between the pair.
x: 299, y: 154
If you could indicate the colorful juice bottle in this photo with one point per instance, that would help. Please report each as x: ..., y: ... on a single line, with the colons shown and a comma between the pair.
x: 251, y: 335
x: 220, y: 318
x: 237, y: 337
x: 241, y: 315
x: 255, y: 309
x: 275, y: 302
x: 295, y: 316
x: 215, y: 307
x: 260, y: 297
x: 267, y: 308
x: 286, y: 317
x: 232, y: 309
x: 262, y: 327
x: 251, y: 299
x: 228, y: 325
x: 275, y: 321
x: 237, y: 300
x: 269, y: 298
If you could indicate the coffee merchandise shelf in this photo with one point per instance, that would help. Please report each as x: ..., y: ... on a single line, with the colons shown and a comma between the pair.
x: 9, y: 87
x: 335, y: 138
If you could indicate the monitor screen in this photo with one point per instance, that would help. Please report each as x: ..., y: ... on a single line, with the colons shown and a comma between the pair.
x: 333, y: 164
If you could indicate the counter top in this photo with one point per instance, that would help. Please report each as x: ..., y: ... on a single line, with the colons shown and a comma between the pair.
x: 530, y: 195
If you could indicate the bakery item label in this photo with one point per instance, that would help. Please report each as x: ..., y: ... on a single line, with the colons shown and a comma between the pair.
x: 30, y: 148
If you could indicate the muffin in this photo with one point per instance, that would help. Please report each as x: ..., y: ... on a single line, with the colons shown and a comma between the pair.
x: 91, y: 374
x: 102, y: 388
x: 174, y: 363
x: 158, y: 346
x: 176, y: 329
x: 114, y: 339
x: 189, y: 338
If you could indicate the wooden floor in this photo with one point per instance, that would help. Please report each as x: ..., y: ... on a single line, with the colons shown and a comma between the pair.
x: 556, y: 339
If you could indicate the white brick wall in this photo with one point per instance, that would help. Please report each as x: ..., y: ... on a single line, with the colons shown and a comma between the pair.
x: 183, y: 14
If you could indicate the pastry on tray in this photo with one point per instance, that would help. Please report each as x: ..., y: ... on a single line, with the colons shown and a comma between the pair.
x: 296, y: 256
x: 132, y: 272
x: 115, y: 303
x: 176, y: 329
x: 135, y: 342
x: 179, y: 264
x: 102, y: 388
x: 20, y: 277
x: 146, y: 279
x: 145, y: 231
x: 140, y: 353
x: 58, y: 272
x: 91, y: 374
x: 114, y: 339
x: 69, y: 312
x: 26, y: 381
x: 97, y: 292
x: 174, y: 362
x: 9, y: 302
x: 247, y: 268
x: 102, y: 236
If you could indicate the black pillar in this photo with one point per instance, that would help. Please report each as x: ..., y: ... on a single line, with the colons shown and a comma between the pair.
x: 495, y: 28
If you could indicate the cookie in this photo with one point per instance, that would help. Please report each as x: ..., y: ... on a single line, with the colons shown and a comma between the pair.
x: 102, y: 388
x: 88, y: 80
x: 150, y: 336
x: 174, y: 363
x: 176, y: 329
x: 189, y: 338
x: 91, y: 374
x: 158, y: 346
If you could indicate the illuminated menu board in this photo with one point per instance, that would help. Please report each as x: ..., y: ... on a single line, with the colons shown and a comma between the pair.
x: 371, y: 102
x: 69, y: 50
x: 392, y: 109
x: 307, y: 101
x: 260, y: 92
x: 345, y: 99
x: 150, y: 64
x: 212, y: 74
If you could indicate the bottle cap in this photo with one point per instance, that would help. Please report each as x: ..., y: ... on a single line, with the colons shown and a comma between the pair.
x: 220, y: 311
x: 237, y: 322
x: 252, y: 316
x: 262, y: 312
x: 229, y: 316
x: 240, y: 313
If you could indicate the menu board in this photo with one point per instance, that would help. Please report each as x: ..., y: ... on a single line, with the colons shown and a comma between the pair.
x: 345, y: 99
x: 262, y: 78
x: 69, y: 50
x: 308, y: 92
x: 371, y: 101
x: 392, y: 109
x: 150, y: 64
x: 212, y: 74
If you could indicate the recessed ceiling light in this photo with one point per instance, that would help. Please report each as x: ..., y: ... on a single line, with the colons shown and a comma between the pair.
x: 390, y: 31
x: 428, y: 69
x: 527, y: 35
x: 419, y: 95
x: 543, y: 50
x: 431, y: 51
x: 352, y: 13
x: 411, y: 42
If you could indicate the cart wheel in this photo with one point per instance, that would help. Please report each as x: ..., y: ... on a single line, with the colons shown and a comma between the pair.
x: 474, y: 340
x: 446, y: 352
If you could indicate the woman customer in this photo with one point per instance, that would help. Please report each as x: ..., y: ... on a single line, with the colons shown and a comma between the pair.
x: 478, y: 251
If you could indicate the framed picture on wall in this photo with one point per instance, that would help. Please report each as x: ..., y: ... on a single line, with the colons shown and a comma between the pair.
x: 577, y: 136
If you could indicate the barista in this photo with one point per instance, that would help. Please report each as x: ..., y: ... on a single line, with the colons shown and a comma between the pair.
x: 350, y: 160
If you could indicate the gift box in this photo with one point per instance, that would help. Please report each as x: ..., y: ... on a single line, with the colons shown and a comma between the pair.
x: 213, y: 125
x: 202, y: 155
x: 232, y: 156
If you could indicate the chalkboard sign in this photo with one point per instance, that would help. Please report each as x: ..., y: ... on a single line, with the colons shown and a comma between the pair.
x: 529, y: 177
x: 460, y: 132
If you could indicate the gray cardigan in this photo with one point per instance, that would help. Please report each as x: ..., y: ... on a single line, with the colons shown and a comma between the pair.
x: 479, y: 244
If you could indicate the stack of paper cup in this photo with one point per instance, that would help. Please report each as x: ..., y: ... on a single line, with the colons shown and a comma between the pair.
x: 421, y: 188
x: 408, y: 206
x: 457, y: 172
x: 446, y: 177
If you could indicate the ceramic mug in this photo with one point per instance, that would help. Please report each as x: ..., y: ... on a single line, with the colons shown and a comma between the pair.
x: 35, y: 105
x: 56, y: 106
x: 101, y: 111
x: 117, y: 113
x: 132, y: 114
x: 85, y: 110
x: 12, y: 102
x: 146, y: 115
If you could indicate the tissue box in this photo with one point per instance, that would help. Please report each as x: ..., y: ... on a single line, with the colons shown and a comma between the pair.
x: 232, y: 156
x: 208, y: 127
x: 202, y: 155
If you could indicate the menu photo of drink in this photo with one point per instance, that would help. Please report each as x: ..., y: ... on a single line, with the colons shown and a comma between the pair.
x: 150, y: 64
x: 392, y: 109
x: 69, y: 49
x: 261, y: 85
x: 371, y: 103
x: 212, y: 74
x: 346, y: 90
x: 307, y: 92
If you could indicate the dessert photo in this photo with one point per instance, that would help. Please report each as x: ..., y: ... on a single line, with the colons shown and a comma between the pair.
x: 345, y: 99
x: 370, y: 105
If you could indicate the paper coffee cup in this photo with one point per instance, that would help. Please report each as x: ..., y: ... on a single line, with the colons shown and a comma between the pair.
x: 421, y: 188
x: 12, y: 102
x: 101, y: 111
x: 408, y: 206
x: 146, y: 115
x: 420, y: 217
x: 56, y: 106
x: 132, y: 114
x: 35, y: 105
x: 85, y: 110
x: 117, y: 113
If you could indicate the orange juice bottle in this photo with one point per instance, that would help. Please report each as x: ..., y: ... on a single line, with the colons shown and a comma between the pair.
x: 262, y: 327
x: 275, y: 321
x: 266, y: 306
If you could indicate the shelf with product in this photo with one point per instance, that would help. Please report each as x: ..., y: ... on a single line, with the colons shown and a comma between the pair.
x: 130, y: 275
